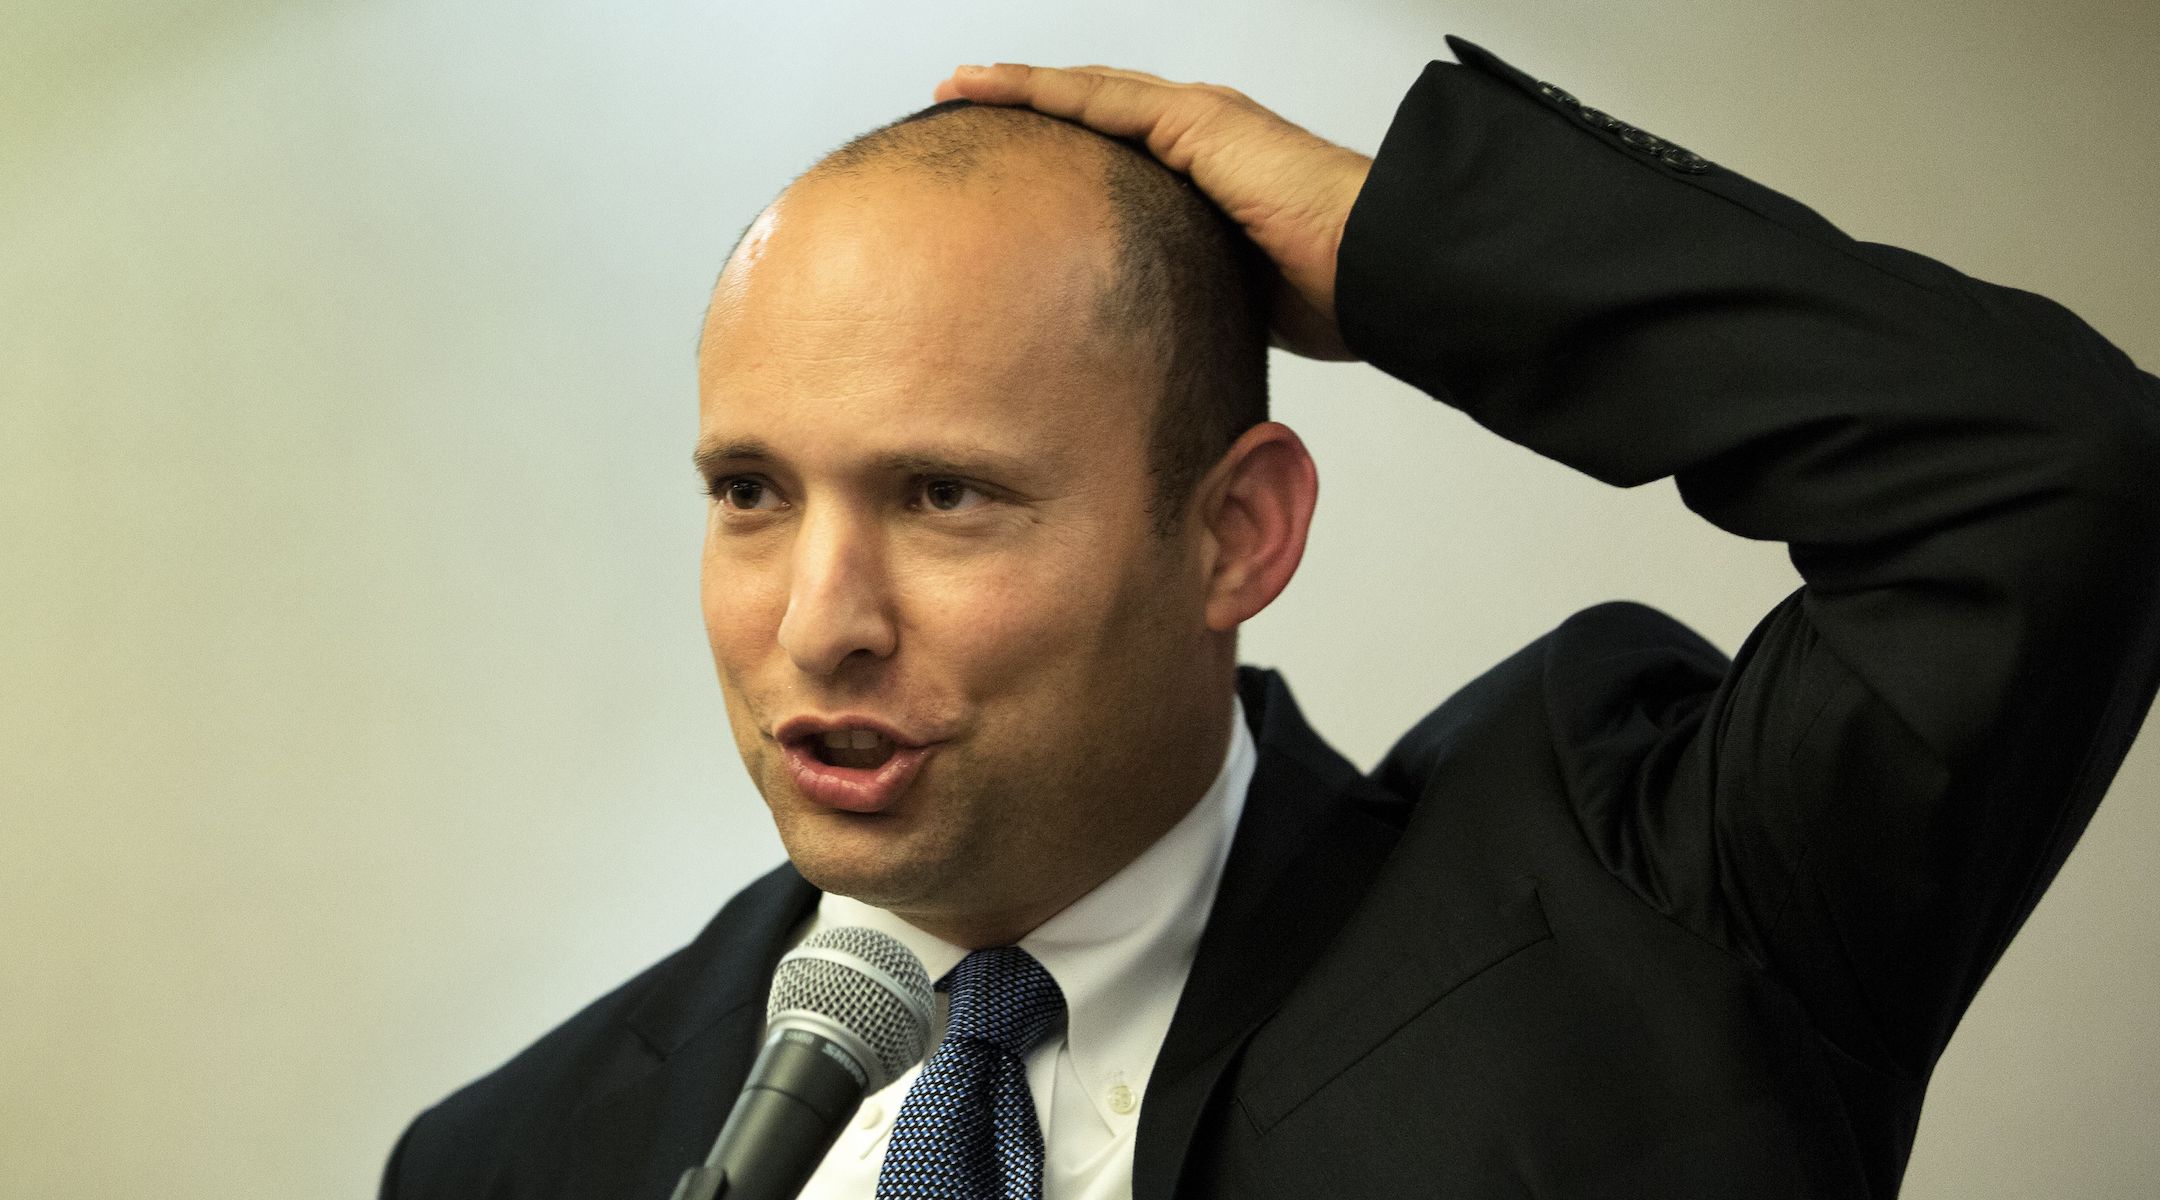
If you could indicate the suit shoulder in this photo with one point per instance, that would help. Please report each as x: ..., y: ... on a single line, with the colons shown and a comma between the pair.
x: 468, y: 1144
x: 463, y: 1144
x: 1624, y: 663
x: 1614, y: 666
x: 1626, y: 625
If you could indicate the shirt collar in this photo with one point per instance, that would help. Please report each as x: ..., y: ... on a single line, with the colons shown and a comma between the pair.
x: 1121, y: 953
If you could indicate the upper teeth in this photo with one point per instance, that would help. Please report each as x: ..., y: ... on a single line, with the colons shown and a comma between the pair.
x: 850, y: 739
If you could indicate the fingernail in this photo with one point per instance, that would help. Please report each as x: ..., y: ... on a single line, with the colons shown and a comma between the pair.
x: 969, y: 69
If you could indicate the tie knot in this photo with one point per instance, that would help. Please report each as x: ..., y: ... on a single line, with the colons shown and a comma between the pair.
x: 1004, y: 997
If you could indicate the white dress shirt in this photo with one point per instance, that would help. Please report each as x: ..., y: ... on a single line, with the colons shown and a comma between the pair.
x: 1120, y: 954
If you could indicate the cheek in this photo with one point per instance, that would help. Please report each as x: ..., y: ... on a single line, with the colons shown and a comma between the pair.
x: 741, y: 623
x: 1038, y: 622
x: 742, y: 605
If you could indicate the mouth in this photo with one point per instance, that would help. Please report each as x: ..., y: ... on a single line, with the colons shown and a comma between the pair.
x: 851, y: 764
x: 855, y: 749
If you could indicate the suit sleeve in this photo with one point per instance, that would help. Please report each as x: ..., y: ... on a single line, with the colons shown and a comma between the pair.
x: 1872, y: 798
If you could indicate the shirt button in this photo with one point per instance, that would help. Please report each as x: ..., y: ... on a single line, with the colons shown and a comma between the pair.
x: 871, y: 1116
x: 1122, y: 1100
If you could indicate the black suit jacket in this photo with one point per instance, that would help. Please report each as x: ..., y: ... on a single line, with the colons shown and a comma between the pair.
x: 1621, y: 918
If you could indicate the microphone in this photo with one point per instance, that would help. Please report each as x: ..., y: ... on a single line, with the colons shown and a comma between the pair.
x: 850, y: 1011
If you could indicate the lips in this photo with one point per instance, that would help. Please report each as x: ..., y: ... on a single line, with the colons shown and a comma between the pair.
x: 854, y: 764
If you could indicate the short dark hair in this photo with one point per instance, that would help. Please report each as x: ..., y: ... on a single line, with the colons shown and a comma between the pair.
x: 1186, y: 279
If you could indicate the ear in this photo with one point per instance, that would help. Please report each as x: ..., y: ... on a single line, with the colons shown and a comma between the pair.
x: 1255, y: 505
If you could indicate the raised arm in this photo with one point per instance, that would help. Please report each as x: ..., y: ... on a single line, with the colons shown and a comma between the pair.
x: 1870, y: 800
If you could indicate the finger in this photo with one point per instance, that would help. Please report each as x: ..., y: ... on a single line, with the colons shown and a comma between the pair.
x: 1118, y: 106
x: 949, y: 88
x: 1128, y: 73
x: 1184, y: 86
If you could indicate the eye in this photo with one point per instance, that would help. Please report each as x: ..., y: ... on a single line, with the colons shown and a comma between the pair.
x: 947, y: 495
x: 745, y: 493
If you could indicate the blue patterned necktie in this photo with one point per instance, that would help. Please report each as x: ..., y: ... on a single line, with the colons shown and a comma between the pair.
x: 967, y: 1129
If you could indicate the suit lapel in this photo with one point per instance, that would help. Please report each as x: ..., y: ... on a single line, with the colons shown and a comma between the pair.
x: 1312, y: 838
x: 699, y: 1025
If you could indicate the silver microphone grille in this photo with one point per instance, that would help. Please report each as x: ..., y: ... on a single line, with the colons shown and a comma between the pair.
x: 869, y: 984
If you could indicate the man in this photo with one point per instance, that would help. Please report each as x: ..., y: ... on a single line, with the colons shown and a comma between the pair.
x: 1621, y: 918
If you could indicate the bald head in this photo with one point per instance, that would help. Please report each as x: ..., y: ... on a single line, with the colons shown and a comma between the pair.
x: 1181, y: 284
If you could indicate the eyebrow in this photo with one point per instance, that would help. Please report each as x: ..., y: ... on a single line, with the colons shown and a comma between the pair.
x: 711, y: 455
x: 708, y: 456
x: 966, y: 462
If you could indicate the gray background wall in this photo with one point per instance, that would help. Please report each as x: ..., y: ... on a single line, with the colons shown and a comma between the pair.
x: 355, y: 719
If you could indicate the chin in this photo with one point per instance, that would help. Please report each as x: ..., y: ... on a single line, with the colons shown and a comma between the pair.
x: 857, y: 857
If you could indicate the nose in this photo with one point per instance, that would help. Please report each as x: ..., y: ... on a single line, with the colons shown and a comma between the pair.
x: 839, y: 602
